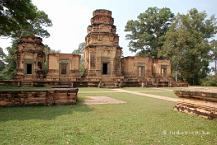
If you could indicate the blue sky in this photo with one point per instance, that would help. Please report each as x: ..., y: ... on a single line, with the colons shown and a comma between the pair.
x: 71, y: 17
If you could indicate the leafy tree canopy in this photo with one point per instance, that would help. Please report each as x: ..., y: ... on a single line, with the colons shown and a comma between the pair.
x: 21, y: 17
x: 146, y: 34
x: 189, y: 44
x: 80, y: 49
x: 2, y: 55
x: 10, y: 68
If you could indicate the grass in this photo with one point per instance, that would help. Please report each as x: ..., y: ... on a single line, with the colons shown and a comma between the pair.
x: 141, y: 120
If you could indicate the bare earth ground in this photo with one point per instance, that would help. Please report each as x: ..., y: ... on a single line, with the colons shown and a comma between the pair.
x: 91, y: 100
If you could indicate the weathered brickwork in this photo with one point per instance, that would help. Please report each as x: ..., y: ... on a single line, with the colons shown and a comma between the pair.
x: 103, y: 61
x: 102, y: 54
x: 55, y: 96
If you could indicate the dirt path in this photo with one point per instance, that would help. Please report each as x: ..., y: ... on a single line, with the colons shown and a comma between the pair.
x: 148, y: 95
x: 196, y: 102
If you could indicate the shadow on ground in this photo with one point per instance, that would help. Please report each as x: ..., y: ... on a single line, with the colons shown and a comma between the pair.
x: 40, y: 112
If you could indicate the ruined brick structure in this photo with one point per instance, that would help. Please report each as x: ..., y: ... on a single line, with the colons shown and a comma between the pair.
x: 138, y: 69
x: 46, y: 96
x: 102, y: 54
x: 103, y: 60
x: 63, y: 67
x: 30, y: 58
x: 200, y: 101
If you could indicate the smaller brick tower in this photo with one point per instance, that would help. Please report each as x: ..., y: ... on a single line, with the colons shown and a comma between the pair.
x: 30, y: 58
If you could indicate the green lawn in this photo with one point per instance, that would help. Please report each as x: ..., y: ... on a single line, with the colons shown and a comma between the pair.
x: 141, y: 120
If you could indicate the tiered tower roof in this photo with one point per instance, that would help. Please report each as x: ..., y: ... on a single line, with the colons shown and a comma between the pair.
x: 102, y: 30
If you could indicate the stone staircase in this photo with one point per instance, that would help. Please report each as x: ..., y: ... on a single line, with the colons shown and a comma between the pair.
x: 110, y: 82
x: 198, y: 101
x: 27, y: 83
x: 132, y: 82
x: 108, y: 85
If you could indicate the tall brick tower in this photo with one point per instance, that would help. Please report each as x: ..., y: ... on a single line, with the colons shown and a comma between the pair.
x: 102, y: 54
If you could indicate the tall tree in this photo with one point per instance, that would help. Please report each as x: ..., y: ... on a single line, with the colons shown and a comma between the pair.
x: 10, y: 67
x: 80, y: 51
x: 21, y: 17
x: 214, y: 46
x: 146, y: 34
x: 188, y: 45
x: 2, y: 55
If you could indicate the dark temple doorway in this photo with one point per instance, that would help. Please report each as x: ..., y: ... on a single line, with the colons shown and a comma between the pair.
x: 105, y: 68
x: 29, y: 68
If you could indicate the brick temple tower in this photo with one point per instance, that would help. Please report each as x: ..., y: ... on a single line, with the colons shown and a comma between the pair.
x: 102, y: 54
x: 30, y: 58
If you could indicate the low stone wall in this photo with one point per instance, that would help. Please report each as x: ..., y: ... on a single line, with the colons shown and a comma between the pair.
x: 200, y: 102
x: 134, y: 82
x: 51, y: 96
x: 201, y: 95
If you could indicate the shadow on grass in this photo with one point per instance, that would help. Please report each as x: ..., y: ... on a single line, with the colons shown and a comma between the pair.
x: 40, y: 112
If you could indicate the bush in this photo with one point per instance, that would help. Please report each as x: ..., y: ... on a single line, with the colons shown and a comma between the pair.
x: 209, y: 81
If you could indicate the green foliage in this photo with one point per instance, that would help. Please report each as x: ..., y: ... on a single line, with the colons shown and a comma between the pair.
x: 80, y: 51
x: 209, y: 80
x: 146, y: 34
x: 2, y: 55
x: 214, y: 50
x: 188, y: 45
x: 21, y: 17
x: 10, y: 68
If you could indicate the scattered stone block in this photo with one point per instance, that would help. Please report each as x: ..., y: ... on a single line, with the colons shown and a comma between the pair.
x: 201, y: 102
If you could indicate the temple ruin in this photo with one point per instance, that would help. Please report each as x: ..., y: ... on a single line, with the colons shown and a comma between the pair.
x: 30, y: 58
x: 102, y: 54
x: 103, y: 61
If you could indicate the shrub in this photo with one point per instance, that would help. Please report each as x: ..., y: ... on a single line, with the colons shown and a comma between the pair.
x: 209, y: 81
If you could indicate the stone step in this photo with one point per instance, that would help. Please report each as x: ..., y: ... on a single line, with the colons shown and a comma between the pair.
x: 109, y: 85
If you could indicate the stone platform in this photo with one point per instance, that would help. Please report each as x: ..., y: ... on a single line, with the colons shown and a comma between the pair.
x: 43, y: 96
x: 201, y: 101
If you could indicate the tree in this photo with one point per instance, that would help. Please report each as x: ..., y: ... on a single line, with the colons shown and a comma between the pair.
x: 146, y: 34
x: 21, y: 17
x: 10, y: 67
x: 188, y: 45
x: 2, y: 55
x: 80, y: 51
x: 214, y: 47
